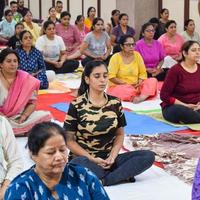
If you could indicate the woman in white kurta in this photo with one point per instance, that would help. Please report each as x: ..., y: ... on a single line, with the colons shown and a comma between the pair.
x: 11, y: 162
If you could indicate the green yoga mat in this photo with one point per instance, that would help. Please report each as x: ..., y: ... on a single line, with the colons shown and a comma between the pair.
x: 158, y: 116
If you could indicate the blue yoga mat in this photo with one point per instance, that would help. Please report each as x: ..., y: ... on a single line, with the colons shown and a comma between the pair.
x: 136, y: 123
x: 142, y: 124
x: 61, y: 106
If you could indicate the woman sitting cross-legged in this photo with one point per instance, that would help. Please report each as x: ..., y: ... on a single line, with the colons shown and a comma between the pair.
x: 31, y: 59
x: 96, y: 45
x: 95, y: 130
x: 18, y: 97
x: 53, y: 49
x: 11, y: 162
x: 52, y: 177
x: 152, y: 52
x: 180, y: 92
x: 127, y: 73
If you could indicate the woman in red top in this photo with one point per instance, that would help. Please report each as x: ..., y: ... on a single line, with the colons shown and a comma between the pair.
x: 181, y: 89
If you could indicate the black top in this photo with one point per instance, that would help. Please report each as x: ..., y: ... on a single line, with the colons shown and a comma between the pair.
x: 14, y: 42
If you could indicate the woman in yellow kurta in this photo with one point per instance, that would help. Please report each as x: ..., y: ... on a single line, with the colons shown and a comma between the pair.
x: 127, y: 70
x: 31, y: 26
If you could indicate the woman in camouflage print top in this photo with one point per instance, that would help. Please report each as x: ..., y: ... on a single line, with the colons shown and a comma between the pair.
x: 94, y: 125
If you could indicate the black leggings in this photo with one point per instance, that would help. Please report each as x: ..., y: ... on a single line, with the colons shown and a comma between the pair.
x: 88, y: 59
x: 161, y: 76
x: 181, y: 114
x: 68, y: 67
x: 126, y: 166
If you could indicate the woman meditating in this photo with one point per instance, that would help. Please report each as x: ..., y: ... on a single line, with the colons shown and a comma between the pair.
x: 52, y: 177
x: 18, y: 92
x: 122, y: 29
x: 127, y: 69
x: 69, y: 33
x: 31, y: 59
x: 95, y: 131
x: 11, y: 162
x: 29, y: 25
x: 171, y: 41
x: 152, y: 52
x: 96, y: 45
x: 53, y: 50
x: 180, y: 92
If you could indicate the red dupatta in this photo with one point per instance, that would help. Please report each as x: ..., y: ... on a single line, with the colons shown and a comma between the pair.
x: 19, y: 93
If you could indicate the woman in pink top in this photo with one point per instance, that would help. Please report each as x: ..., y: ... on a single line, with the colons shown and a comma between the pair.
x: 69, y: 33
x: 171, y: 41
x: 152, y: 52
x: 82, y: 29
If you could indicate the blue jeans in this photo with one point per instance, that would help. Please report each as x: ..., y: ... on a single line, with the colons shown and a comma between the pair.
x: 126, y: 166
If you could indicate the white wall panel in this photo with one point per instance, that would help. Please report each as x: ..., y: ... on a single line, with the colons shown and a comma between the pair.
x: 75, y: 9
x: 176, y: 12
x: 194, y: 14
x: 106, y: 9
x: 88, y: 3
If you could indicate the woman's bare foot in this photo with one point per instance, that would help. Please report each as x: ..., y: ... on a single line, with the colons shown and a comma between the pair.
x: 140, y: 98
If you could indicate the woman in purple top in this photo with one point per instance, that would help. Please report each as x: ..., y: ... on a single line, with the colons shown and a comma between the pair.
x: 152, y: 52
x: 196, y: 184
x: 69, y: 33
x: 181, y: 89
x: 121, y: 29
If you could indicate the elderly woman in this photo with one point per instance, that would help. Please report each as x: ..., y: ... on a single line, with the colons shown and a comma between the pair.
x: 51, y: 177
x: 11, y: 162
x: 18, y: 96
x: 53, y: 50
x: 31, y: 59
x: 171, y: 41
x: 127, y: 72
x: 96, y: 45
x: 95, y: 129
x: 152, y: 52
x: 180, y: 93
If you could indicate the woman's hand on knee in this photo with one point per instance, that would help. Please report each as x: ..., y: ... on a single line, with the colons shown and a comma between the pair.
x: 99, y: 161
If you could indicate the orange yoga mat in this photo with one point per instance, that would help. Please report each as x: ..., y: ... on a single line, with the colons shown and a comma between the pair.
x: 46, y: 100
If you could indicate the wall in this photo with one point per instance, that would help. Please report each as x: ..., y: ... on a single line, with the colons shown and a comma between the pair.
x: 139, y: 11
x: 176, y: 12
x: 194, y: 14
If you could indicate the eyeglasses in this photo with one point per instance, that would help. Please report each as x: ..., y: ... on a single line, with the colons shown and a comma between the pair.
x: 129, y: 44
x: 150, y: 30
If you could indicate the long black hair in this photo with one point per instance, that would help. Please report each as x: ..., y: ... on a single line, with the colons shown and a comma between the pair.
x: 89, y: 67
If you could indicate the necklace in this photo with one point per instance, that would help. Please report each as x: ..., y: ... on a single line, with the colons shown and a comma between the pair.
x: 8, y: 82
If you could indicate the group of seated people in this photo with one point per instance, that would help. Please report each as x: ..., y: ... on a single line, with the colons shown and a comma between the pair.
x: 93, y: 130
